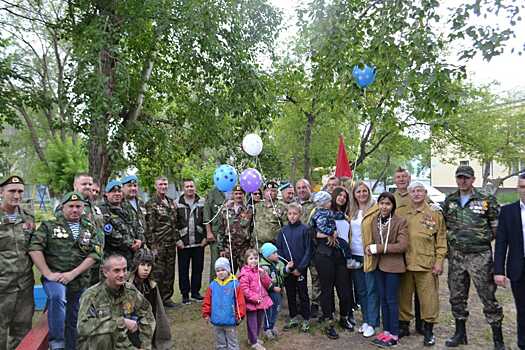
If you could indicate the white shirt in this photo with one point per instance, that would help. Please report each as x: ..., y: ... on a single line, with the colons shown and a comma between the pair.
x: 343, y: 228
x: 357, y: 238
x: 522, y: 206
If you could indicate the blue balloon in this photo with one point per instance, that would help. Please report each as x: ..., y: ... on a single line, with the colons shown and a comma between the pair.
x: 225, y: 178
x: 364, y: 77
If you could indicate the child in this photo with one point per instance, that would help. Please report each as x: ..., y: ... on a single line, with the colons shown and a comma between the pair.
x: 140, y: 276
x: 276, y: 270
x: 323, y: 221
x: 254, y: 284
x: 224, y: 306
x: 293, y: 244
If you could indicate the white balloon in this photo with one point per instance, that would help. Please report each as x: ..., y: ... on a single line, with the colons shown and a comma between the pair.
x: 252, y: 144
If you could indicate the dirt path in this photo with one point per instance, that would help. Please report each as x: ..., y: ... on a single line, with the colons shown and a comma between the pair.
x: 191, y: 332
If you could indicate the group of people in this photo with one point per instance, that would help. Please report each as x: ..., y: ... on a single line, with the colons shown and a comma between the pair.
x: 383, y: 257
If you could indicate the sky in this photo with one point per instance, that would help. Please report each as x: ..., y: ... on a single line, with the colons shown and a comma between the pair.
x: 503, y: 70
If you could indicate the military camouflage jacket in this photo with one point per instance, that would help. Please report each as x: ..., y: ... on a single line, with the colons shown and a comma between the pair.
x: 269, y: 220
x: 161, y: 221
x: 63, y: 252
x: 101, y: 318
x: 119, y: 231
x: 470, y: 228
x: 16, y: 266
x: 308, y: 207
x: 239, y: 222
x: 214, y: 201
x: 137, y: 217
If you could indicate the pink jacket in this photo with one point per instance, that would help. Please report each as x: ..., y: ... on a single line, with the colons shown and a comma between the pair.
x: 254, y: 289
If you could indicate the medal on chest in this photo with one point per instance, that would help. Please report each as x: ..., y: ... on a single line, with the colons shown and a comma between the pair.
x: 60, y: 232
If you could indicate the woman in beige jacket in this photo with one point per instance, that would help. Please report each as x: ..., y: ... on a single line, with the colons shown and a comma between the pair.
x: 385, y: 238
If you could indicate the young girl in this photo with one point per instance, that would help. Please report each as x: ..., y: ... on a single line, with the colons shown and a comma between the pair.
x: 224, y: 306
x: 385, y: 245
x: 140, y: 276
x: 254, y: 284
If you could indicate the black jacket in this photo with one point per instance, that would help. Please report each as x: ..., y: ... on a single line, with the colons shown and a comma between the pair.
x: 509, y: 243
x: 185, y: 212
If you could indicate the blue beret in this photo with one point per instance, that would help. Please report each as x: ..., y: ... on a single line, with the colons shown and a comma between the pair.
x: 129, y: 178
x: 112, y: 184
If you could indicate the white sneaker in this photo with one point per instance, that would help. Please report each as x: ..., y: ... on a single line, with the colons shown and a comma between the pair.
x: 268, y: 334
x: 362, y: 328
x: 368, y: 331
x: 258, y: 346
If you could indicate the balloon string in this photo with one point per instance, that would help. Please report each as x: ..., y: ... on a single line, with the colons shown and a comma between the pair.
x: 258, y: 264
x: 231, y: 258
x: 216, y: 214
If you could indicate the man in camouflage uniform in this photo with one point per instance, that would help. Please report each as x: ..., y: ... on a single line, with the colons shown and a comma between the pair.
x: 16, y: 284
x: 162, y: 236
x: 427, y: 249
x: 287, y: 193
x: 212, y: 206
x: 134, y: 207
x: 236, y: 219
x: 270, y: 215
x: 113, y: 314
x: 120, y: 233
x: 471, y: 218
x: 64, y: 250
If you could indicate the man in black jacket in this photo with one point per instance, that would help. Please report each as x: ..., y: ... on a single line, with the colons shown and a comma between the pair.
x: 190, y: 225
x: 510, y: 247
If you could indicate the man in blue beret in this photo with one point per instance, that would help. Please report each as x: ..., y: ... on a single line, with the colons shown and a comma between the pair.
x: 134, y: 207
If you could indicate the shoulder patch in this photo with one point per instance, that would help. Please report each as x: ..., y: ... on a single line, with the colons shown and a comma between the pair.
x: 108, y: 228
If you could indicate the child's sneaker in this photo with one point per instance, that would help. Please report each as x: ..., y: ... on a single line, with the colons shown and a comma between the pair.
x: 293, y: 323
x: 258, y: 346
x: 305, y: 327
x: 353, y: 264
x: 275, y: 333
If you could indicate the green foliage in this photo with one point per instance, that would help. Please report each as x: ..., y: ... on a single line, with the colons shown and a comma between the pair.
x: 507, y: 197
x: 202, y: 174
x: 65, y: 160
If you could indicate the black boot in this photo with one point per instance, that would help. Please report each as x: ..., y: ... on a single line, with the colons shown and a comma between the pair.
x: 497, y: 336
x: 345, y: 323
x: 330, y: 331
x: 459, y: 337
x: 429, y: 339
x: 418, y: 321
x: 404, y: 329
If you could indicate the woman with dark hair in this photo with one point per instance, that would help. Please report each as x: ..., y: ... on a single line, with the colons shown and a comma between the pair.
x: 330, y: 262
x: 341, y: 203
x: 385, y: 244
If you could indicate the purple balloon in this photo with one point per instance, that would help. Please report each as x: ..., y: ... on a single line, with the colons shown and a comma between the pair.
x: 250, y: 180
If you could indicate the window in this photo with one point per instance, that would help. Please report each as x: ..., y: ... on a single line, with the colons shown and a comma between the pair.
x: 517, y: 165
x: 464, y: 162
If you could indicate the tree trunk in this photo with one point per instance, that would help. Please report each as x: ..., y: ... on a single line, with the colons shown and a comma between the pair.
x: 307, y: 172
x: 486, y: 172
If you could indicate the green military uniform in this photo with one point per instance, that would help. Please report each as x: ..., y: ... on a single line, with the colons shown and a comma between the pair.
x: 119, y: 231
x: 101, y: 318
x: 402, y: 199
x: 137, y: 217
x: 269, y: 219
x: 470, y: 232
x: 63, y: 252
x: 427, y: 245
x: 162, y: 236
x: 213, y: 204
x: 308, y: 206
x: 239, y: 222
x: 16, y: 276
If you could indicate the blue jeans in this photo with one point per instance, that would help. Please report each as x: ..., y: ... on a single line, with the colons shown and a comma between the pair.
x: 62, y: 314
x: 388, y: 286
x: 270, y: 315
x: 366, y: 290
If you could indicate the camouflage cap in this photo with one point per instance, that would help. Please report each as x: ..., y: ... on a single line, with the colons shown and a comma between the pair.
x: 129, y: 178
x: 271, y: 185
x: 238, y: 188
x: 13, y: 179
x: 465, y: 170
x: 112, y: 184
x: 71, y: 196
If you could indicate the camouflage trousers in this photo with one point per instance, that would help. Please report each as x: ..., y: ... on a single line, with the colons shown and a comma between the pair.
x: 16, y: 313
x: 214, y: 255
x: 164, y: 270
x: 316, y: 284
x: 462, y: 267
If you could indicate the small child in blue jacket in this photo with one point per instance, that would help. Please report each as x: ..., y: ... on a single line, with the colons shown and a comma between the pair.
x: 224, y: 306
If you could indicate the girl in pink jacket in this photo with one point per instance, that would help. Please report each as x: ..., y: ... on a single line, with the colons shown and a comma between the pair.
x: 254, y: 284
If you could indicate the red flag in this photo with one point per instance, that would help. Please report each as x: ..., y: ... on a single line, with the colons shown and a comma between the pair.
x: 342, y: 166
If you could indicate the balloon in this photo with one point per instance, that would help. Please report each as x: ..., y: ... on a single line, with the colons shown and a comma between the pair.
x: 364, y: 77
x: 252, y: 144
x: 251, y: 180
x: 225, y: 178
